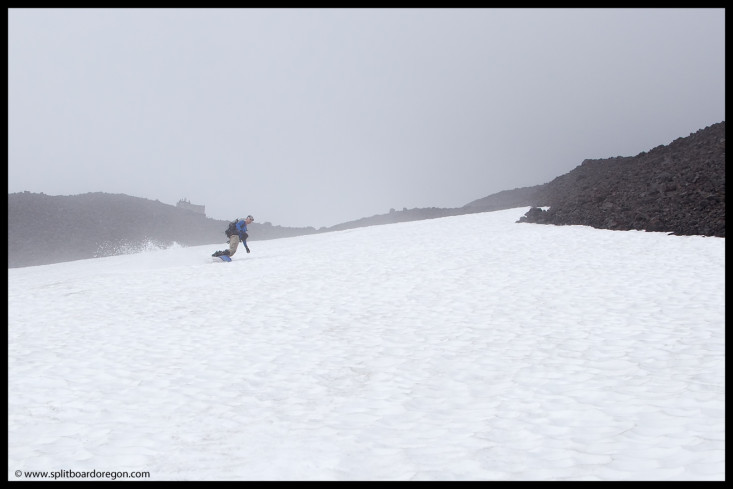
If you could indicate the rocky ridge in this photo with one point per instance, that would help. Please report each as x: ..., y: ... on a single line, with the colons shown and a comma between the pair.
x: 678, y: 188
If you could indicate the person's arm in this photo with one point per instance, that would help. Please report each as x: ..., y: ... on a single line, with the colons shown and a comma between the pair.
x: 243, y: 238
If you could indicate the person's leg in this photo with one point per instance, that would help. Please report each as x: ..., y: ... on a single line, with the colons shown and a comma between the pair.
x: 233, y: 244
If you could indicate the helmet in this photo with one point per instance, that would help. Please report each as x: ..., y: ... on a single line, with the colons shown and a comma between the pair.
x: 250, y: 217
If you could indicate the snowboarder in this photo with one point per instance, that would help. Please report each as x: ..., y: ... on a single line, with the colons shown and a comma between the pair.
x: 237, y: 231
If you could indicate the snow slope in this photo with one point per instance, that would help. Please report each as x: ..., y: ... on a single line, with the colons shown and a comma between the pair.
x: 462, y: 348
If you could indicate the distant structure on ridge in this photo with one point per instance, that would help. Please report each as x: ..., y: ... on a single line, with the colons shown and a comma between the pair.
x: 187, y: 205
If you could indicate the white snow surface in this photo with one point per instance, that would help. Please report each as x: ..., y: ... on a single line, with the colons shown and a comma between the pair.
x: 462, y: 348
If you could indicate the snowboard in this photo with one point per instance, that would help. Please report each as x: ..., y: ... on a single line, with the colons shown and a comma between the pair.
x: 221, y: 258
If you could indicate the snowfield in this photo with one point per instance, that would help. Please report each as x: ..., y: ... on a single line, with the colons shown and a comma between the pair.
x: 462, y: 348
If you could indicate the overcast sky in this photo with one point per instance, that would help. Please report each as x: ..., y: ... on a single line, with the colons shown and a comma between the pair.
x: 317, y: 117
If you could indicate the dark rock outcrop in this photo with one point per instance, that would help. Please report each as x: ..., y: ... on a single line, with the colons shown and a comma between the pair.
x: 678, y: 188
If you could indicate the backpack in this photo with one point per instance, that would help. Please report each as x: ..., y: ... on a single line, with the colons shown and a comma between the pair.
x: 232, y: 229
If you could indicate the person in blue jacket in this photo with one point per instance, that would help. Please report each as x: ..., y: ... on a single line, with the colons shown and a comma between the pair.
x: 237, y: 232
